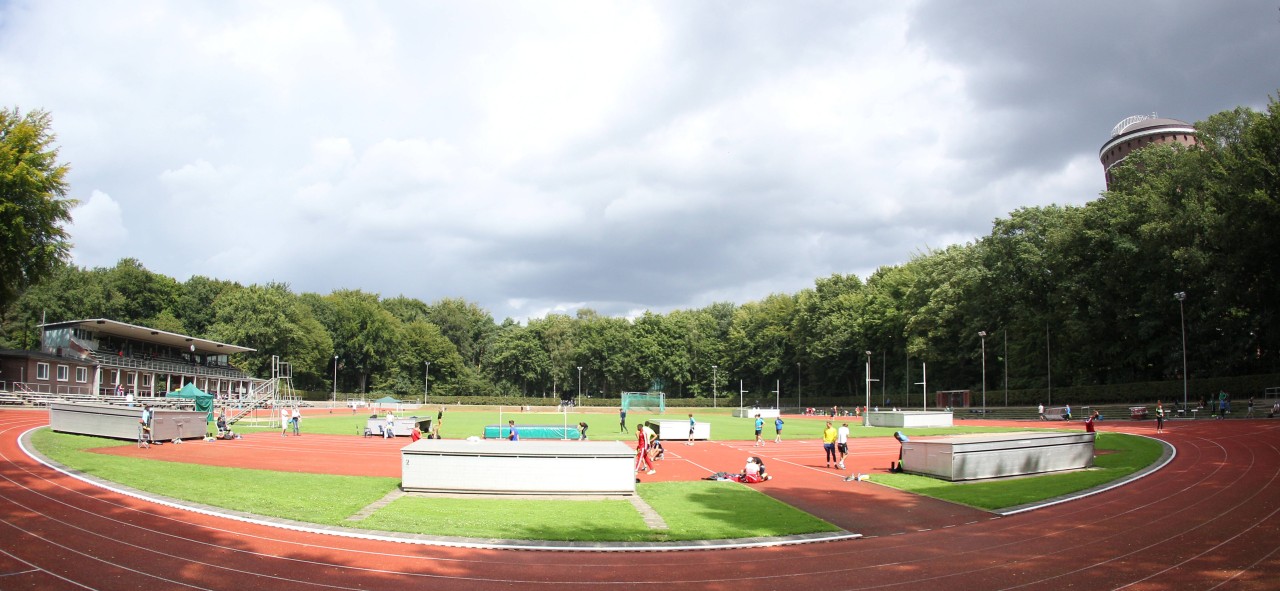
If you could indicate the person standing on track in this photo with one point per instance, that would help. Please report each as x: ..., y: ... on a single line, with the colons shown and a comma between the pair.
x: 759, y: 428
x: 777, y: 429
x: 1159, y: 417
x: 691, y: 424
x: 389, y: 429
x: 829, y: 443
x: 296, y: 418
x: 842, y: 443
x: 284, y: 421
x: 642, y: 451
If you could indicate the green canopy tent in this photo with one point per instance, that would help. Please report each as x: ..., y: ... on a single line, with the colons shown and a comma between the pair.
x: 202, y: 400
x: 387, y: 400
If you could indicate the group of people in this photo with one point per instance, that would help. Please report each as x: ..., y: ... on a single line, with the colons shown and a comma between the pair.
x: 835, y: 442
x: 754, y: 472
x: 648, y: 449
x: 290, y: 419
x: 777, y: 429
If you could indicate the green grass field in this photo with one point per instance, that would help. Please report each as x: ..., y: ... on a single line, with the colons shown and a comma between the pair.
x: 702, y: 510
x: 693, y: 510
x: 1131, y: 453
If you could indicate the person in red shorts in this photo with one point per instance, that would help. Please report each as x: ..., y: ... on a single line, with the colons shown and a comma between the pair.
x: 642, y: 451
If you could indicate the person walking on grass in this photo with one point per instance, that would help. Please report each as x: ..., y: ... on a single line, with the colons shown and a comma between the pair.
x: 622, y: 419
x: 829, y: 443
x: 759, y: 428
x: 777, y: 429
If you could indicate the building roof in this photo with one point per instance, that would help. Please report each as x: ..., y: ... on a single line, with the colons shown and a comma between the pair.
x: 1149, y: 123
x: 1143, y: 125
x: 142, y: 333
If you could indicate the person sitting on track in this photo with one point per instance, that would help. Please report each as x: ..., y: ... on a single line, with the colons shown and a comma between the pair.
x: 224, y: 432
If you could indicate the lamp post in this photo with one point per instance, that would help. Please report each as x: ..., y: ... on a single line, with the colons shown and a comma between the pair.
x: 982, y: 334
x: 866, y: 410
x: 741, y: 392
x: 924, y: 385
x: 713, y: 386
x: 1006, y: 367
x: 426, y: 382
x: 579, y: 385
x: 777, y: 395
x: 1180, y: 296
x: 335, y: 379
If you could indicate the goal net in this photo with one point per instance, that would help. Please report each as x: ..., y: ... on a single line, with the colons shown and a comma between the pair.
x: 650, y: 401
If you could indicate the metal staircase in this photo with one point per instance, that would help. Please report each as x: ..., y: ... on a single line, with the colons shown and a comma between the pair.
x: 273, y: 393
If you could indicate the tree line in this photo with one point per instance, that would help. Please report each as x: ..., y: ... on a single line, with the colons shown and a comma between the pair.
x: 1066, y: 296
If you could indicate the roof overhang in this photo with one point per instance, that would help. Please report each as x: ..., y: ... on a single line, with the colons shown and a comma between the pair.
x: 142, y: 333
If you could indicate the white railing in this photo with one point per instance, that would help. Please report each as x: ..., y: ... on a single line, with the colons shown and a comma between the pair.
x: 169, y: 367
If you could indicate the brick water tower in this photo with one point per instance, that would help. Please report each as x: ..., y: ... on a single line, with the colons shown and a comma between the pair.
x: 1140, y: 131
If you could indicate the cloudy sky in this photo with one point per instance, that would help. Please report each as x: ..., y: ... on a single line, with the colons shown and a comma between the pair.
x: 537, y: 157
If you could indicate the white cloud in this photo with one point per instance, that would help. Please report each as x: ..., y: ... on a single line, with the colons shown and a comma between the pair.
x: 536, y: 157
x: 97, y: 231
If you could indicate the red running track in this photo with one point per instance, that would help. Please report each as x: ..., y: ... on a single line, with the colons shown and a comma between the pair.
x: 1206, y: 521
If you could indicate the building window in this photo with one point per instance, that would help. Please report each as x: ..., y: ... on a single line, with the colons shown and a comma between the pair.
x: 64, y: 373
x: 42, y: 371
x: 82, y: 374
x: 146, y: 380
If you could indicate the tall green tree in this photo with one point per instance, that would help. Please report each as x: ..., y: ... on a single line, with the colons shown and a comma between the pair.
x: 273, y: 321
x: 33, y: 203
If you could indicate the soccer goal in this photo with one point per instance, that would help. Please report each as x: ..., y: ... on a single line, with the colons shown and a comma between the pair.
x: 650, y: 401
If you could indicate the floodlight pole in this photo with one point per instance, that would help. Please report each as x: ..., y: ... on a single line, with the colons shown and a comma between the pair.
x: 866, y: 410
x: 1180, y: 296
x: 798, y: 404
x: 579, y: 385
x: 741, y: 392
x: 982, y: 334
x: 335, y: 379
x: 426, y: 382
x: 777, y: 395
x: 713, y: 385
x: 924, y: 386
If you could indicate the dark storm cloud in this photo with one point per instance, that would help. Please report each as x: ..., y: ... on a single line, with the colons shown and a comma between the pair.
x: 1051, y: 77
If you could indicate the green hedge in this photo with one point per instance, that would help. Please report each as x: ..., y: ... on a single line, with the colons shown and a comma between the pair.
x: 1240, y: 388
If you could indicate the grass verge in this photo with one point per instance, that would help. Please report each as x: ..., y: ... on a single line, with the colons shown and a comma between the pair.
x: 700, y: 510
x: 1129, y: 454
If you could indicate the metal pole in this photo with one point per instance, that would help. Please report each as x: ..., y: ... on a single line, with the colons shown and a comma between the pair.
x: 1182, y: 295
x: 798, y: 388
x: 713, y: 386
x: 335, y: 379
x: 982, y: 334
x: 777, y: 395
x: 866, y: 410
x: 740, y: 393
x: 1006, y: 367
x: 1048, y: 364
x: 579, y: 385
x: 426, y: 382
